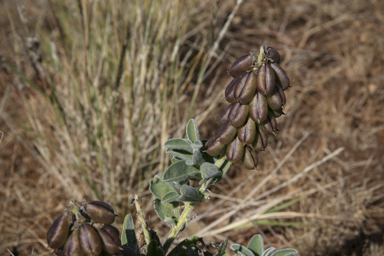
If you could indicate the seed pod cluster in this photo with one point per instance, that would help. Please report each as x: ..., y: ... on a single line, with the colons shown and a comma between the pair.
x: 85, y: 229
x: 256, y: 97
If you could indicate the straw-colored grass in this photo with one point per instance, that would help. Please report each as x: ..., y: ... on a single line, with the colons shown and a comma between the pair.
x: 118, y: 78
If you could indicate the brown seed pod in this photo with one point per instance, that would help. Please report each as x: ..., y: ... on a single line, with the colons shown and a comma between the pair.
x: 270, y: 79
x: 100, y: 212
x: 58, y: 233
x: 110, y: 239
x: 214, y: 147
x: 90, y: 241
x: 224, y: 116
x: 258, y: 108
x: 260, y: 80
x: 240, y: 66
x: 261, y: 141
x: 250, y: 160
x: 276, y: 100
x: 227, y: 133
x: 281, y: 77
x: 271, y: 53
x: 247, y: 133
x: 270, y: 124
x: 230, y: 90
x: 277, y: 113
x: 238, y: 114
x: 235, y: 151
x: 72, y: 246
x: 246, y: 88
x: 282, y: 94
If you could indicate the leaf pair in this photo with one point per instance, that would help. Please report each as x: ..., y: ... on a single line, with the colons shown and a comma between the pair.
x: 256, y: 248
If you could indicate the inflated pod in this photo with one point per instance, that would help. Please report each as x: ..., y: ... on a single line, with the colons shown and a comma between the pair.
x: 258, y: 108
x: 271, y: 53
x: 226, y: 133
x: 240, y: 66
x: 224, y: 116
x: 100, y: 212
x: 247, y: 133
x: 58, y: 233
x: 214, y: 147
x: 72, y: 247
x: 90, y: 241
x: 238, y: 114
x: 277, y: 113
x: 246, y: 88
x: 269, y: 125
x: 250, y: 159
x: 276, y: 100
x: 281, y: 77
x: 230, y: 90
x: 110, y: 239
x: 235, y: 151
x: 261, y: 141
x: 270, y: 79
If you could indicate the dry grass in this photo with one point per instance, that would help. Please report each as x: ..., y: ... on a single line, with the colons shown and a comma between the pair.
x: 95, y: 129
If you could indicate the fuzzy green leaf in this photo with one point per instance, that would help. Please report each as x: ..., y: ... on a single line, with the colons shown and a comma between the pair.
x: 256, y: 245
x: 192, y: 131
x: 197, y: 158
x: 179, y: 172
x: 183, y: 155
x: 269, y: 251
x: 175, y: 160
x: 159, y: 188
x: 189, y: 194
x: 154, y: 250
x: 221, y: 248
x: 184, y: 246
x: 286, y: 252
x: 242, y: 250
x: 168, y: 212
x: 180, y: 144
x: 197, y: 145
x: 171, y: 197
x: 128, y: 236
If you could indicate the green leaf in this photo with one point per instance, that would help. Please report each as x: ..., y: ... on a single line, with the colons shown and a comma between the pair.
x: 269, y: 251
x: 197, y: 145
x: 180, y: 171
x: 209, y: 171
x: 189, y: 194
x: 180, y: 144
x: 171, y: 197
x: 183, y: 155
x: 192, y: 131
x: 154, y: 250
x: 286, y: 252
x: 221, y: 248
x: 175, y: 160
x: 168, y: 212
x: 256, y: 245
x: 197, y: 158
x: 242, y: 250
x: 128, y: 236
x: 184, y: 246
x: 159, y: 188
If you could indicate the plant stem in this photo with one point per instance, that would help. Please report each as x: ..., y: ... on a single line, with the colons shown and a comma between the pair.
x: 189, y: 206
x: 144, y: 226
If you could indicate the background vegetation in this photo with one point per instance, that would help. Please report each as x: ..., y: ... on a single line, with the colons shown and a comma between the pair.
x: 92, y: 90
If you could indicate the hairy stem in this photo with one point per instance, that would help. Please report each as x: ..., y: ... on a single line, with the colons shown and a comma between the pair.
x: 188, y: 208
